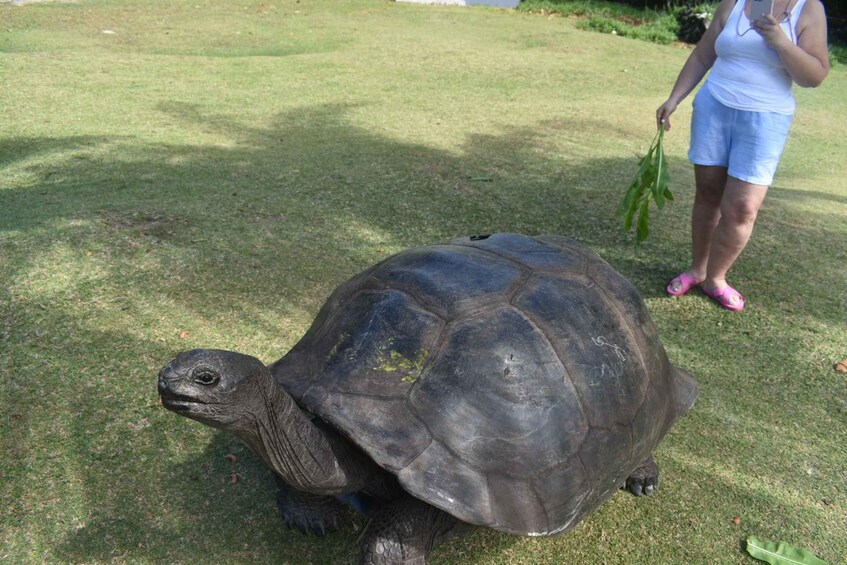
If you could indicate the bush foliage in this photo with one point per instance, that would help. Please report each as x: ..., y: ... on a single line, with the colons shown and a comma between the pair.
x: 663, y: 21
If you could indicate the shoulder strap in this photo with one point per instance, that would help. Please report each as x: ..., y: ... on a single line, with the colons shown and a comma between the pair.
x: 795, y: 17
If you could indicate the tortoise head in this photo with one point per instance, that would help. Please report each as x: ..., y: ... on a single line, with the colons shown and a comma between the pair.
x: 222, y: 389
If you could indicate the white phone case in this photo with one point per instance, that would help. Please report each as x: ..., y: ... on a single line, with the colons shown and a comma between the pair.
x: 758, y: 9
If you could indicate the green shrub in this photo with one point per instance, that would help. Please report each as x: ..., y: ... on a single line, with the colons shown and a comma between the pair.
x: 620, y: 19
x: 656, y: 20
x: 655, y: 4
x: 659, y: 31
x: 838, y: 54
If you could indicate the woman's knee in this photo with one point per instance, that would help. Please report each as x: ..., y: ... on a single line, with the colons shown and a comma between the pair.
x: 741, y: 202
x: 740, y: 212
x: 739, y: 216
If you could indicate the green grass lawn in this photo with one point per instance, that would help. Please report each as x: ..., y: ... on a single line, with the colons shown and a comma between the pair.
x: 202, y: 174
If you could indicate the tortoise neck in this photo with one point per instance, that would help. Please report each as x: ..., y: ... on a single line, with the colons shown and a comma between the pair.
x: 306, y: 457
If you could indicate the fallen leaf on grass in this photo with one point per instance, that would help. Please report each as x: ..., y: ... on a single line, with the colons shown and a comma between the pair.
x: 780, y: 553
x: 183, y: 334
x: 233, y: 480
x: 736, y: 520
x: 230, y: 457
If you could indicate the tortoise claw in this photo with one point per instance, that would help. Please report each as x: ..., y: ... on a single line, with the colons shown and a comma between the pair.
x: 310, y: 514
x: 644, y: 480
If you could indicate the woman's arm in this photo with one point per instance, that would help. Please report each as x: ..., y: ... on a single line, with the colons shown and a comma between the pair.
x: 808, y: 61
x: 697, y: 65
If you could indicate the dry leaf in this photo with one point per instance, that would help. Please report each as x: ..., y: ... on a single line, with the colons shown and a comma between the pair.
x: 233, y: 480
x: 183, y: 334
x: 736, y: 520
x: 230, y: 457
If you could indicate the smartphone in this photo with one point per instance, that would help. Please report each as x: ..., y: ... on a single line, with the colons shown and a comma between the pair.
x: 759, y: 9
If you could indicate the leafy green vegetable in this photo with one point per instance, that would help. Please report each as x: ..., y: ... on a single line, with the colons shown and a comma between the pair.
x: 780, y: 553
x: 651, y: 179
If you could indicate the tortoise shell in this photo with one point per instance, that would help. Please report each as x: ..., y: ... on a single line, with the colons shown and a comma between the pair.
x: 513, y: 382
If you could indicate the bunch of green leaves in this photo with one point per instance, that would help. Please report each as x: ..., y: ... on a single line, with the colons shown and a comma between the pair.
x: 651, y: 180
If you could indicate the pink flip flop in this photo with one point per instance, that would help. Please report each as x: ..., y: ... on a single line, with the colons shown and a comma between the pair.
x: 681, y: 284
x: 725, y: 295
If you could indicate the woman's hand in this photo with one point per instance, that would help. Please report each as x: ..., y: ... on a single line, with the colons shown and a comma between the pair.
x: 663, y: 114
x: 771, y: 32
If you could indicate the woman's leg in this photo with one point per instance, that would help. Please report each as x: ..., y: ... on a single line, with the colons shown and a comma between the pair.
x: 738, y: 210
x: 705, y: 215
x: 710, y: 182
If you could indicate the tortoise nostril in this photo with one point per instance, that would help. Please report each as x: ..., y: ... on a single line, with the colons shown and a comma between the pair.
x: 166, y: 375
x: 162, y: 384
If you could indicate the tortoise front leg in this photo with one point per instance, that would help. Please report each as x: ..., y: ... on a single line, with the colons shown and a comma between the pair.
x: 645, y: 478
x: 310, y: 513
x: 404, y: 532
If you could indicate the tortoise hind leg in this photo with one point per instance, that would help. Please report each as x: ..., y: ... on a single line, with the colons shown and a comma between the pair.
x: 309, y: 513
x: 404, y: 532
x: 645, y: 478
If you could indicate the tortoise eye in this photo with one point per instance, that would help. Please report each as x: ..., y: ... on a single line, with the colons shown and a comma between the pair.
x: 206, y: 378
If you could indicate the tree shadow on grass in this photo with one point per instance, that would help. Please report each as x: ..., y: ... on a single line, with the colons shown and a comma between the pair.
x: 788, y: 194
x: 218, y: 509
x: 250, y: 236
x: 311, y: 182
x: 286, y: 194
x: 15, y: 150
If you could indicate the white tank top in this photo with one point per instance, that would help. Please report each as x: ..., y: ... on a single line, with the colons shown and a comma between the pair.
x: 748, y: 74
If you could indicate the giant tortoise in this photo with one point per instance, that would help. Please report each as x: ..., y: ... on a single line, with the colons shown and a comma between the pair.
x: 504, y: 381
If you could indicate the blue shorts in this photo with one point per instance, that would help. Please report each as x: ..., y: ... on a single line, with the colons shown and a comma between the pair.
x: 748, y: 144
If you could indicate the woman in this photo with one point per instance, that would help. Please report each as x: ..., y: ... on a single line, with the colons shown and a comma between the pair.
x: 739, y: 126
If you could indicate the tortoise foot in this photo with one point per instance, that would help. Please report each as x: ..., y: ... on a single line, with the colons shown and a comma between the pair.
x: 404, y: 532
x: 645, y: 479
x: 309, y: 513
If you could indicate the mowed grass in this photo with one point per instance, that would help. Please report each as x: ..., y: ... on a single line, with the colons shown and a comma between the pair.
x: 203, y: 174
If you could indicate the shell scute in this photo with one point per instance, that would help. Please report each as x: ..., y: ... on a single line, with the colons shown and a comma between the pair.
x: 610, y: 448
x: 566, y: 491
x: 382, y: 425
x: 450, y: 280
x: 505, y: 406
x: 516, y: 501
x: 594, y: 343
x: 444, y: 480
x: 377, y: 343
x: 532, y: 253
x: 648, y: 422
